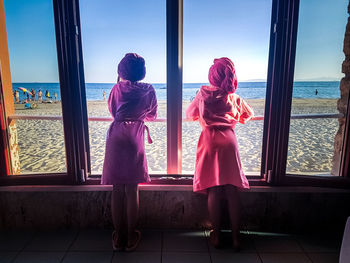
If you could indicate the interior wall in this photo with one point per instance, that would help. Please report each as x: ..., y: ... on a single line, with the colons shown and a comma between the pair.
x: 261, y: 211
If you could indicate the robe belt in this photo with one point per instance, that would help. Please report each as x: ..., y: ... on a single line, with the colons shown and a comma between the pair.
x: 149, y: 139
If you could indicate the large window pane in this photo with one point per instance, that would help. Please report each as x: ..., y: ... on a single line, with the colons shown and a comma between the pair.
x: 110, y: 29
x: 37, y: 146
x: 239, y: 30
x: 319, y: 56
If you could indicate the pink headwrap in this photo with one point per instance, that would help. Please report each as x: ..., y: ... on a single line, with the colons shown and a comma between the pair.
x: 132, y: 67
x: 223, y: 75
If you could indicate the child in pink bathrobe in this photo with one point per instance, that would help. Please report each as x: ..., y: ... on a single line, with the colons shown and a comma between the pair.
x: 218, y: 166
x: 130, y: 103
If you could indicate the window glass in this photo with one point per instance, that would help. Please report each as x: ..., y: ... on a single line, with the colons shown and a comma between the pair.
x: 110, y: 29
x: 239, y: 30
x: 37, y: 145
x: 314, y: 146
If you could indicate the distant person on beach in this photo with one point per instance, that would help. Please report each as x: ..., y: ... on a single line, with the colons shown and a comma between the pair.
x: 130, y: 102
x: 33, y: 94
x: 40, y: 95
x: 47, y: 95
x: 192, y: 98
x: 316, y: 92
x: 104, y: 95
x: 55, y: 96
x: 218, y: 171
x: 17, y: 96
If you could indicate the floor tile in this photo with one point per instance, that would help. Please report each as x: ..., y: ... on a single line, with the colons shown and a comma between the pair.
x: 320, y: 244
x: 150, y: 241
x: 39, y: 257
x: 88, y: 257
x: 277, y: 244
x: 191, y: 241
x: 51, y: 241
x: 284, y: 258
x: 6, y: 257
x: 185, y: 257
x: 235, y: 257
x: 324, y: 257
x: 14, y: 241
x: 137, y: 257
x: 93, y: 240
x: 247, y: 243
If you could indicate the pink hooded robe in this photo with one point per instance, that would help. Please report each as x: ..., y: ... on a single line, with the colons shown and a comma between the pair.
x: 130, y: 103
x: 218, y: 161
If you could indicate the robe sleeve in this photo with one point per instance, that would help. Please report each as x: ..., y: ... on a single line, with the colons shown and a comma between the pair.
x: 192, y: 112
x: 152, y: 112
x: 112, y: 101
x: 246, y: 112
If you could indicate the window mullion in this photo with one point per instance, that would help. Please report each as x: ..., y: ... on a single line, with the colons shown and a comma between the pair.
x: 72, y: 84
x: 279, y: 89
x: 174, y: 32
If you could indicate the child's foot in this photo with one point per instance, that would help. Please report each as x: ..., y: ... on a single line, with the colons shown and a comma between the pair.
x: 133, y: 241
x: 235, y: 243
x: 214, y: 239
x: 117, y: 241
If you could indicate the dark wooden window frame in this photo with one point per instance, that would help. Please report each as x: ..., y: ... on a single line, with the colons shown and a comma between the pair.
x: 74, y: 112
x: 283, y: 38
x: 283, y: 33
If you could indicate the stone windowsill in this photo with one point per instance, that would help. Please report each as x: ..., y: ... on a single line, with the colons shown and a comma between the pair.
x: 179, y: 188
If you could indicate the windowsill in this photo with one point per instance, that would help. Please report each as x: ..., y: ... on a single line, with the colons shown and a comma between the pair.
x: 154, y: 187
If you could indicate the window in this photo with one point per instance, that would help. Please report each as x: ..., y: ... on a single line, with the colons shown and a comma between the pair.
x: 110, y: 29
x: 238, y: 30
x: 314, y: 148
x: 35, y: 114
x: 299, y: 131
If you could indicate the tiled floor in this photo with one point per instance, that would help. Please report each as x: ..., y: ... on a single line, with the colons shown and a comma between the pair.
x: 164, y: 246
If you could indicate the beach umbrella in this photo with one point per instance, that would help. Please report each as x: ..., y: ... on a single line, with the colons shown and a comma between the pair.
x: 25, y: 90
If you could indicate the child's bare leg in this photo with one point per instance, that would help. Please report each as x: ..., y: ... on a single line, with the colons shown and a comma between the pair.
x: 132, y: 210
x: 214, y: 207
x: 117, y: 206
x: 234, y: 208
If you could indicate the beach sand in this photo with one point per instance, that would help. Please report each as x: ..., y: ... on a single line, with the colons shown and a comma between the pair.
x: 41, y: 142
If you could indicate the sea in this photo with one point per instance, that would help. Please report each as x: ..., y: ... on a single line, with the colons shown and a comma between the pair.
x: 247, y: 90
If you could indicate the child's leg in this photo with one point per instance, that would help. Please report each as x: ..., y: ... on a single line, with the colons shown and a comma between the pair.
x: 132, y: 210
x: 214, y: 206
x: 117, y: 206
x: 234, y: 208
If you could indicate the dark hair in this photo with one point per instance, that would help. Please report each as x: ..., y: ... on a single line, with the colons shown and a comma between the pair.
x: 222, y: 74
x: 132, y: 67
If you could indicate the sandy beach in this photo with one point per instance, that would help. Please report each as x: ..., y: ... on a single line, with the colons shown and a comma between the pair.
x: 41, y: 142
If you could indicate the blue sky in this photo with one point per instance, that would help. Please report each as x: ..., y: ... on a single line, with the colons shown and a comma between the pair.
x: 232, y: 28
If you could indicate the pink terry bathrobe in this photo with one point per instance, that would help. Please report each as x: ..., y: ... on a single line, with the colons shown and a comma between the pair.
x: 130, y: 104
x: 218, y: 161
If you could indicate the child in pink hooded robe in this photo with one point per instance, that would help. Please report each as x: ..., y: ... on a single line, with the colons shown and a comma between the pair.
x: 218, y: 166
x: 125, y: 166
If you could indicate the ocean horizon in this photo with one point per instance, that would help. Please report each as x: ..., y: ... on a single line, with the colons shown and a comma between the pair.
x: 247, y: 90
